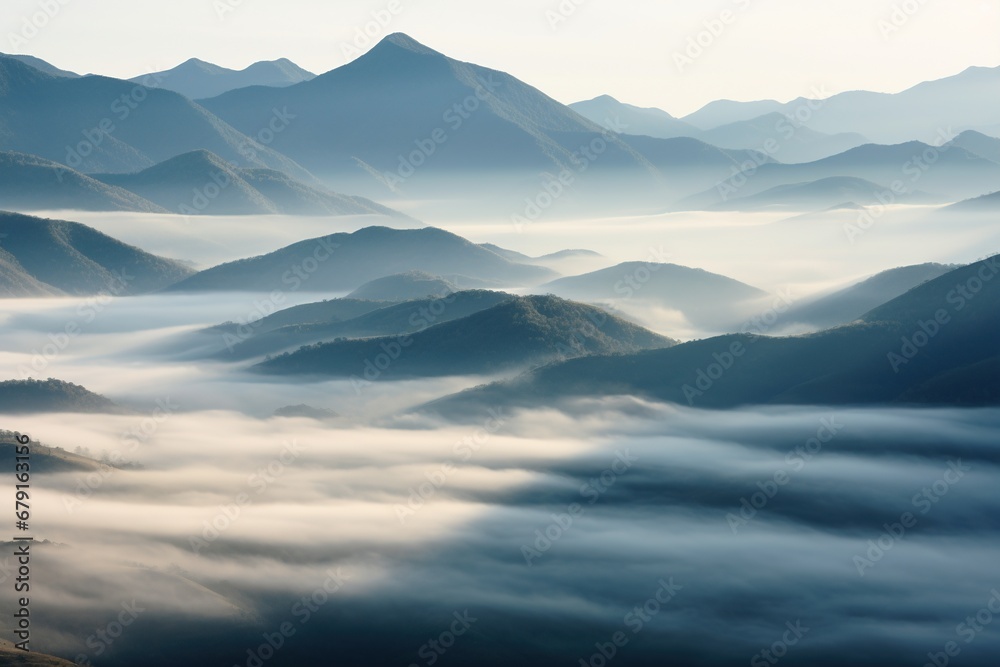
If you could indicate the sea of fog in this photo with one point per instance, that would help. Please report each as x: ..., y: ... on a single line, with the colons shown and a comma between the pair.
x: 610, y: 532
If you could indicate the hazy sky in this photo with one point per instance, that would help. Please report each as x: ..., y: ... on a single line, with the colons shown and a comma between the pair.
x: 571, y: 49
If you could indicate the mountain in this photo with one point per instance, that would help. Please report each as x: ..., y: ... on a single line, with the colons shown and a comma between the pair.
x: 968, y: 100
x: 202, y: 183
x: 917, y: 348
x: 701, y: 296
x: 31, y: 183
x: 823, y: 194
x: 388, y: 320
x: 519, y: 332
x: 369, y: 253
x: 927, y: 112
x: 912, y: 168
x: 404, y: 286
x: 849, y: 304
x: 404, y: 117
x: 98, y: 124
x: 33, y: 396
x: 60, y: 257
x: 41, y: 65
x: 724, y: 112
x: 46, y: 460
x: 196, y: 78
x: 990, y: 202
x: 979, y: 144
x: 792, y: 142
x: 609, y: 113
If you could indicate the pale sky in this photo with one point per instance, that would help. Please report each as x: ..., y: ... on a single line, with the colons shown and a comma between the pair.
x: 777, y: 49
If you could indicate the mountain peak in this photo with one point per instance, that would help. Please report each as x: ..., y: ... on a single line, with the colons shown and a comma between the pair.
x: 404, y: 41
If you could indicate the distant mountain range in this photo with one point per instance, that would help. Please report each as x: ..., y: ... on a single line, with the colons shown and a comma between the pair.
x: 202, y: 183
x: 818, y: 195
x: 516, y: 333
x: 990, y: 203
x: 792, y: 141
x: 31, y: 183
x: 40, y: 257
x: 910, y: 168
x: 196, y: 78
x: 935, y: 344
x: 344, y: 262
x: 701, y: 296
x: 404, y: 120
x: 97, y: 124
x: 969, y: 100
x: 849, y: 304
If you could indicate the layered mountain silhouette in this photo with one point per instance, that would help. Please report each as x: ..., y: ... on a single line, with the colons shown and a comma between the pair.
x: 608, y: 112
x: 979, y: 144
x: 849, y: 304
x: 724, y: 112
x: 31, y: 183
x: 41, y: 257
x: 818, y: 195
x: 98, y: 124
x: 404, y: 113
x: 344, y: 262
x: 196, y: 78
x: 786, y: 139
x: 388, y: 320
x: 34, y: 396
x: 935, y: 344
x: 968, y: 100
x: 913, y: 167
x: 518, y: 332
x: 201, y: 182
x: 703, y: 297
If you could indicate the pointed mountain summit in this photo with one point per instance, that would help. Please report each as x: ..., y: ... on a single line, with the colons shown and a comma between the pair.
x: 406, y: 119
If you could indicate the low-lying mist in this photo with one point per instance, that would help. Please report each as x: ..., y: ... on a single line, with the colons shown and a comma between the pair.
x: 663, y: 527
